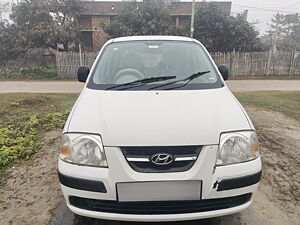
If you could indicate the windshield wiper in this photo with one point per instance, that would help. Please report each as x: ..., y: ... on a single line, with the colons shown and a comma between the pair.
x: 142, y: 81
x: 187, y: 79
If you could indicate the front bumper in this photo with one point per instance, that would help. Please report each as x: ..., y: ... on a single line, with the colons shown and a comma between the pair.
x: 217, y: 184
x: 159, y: 217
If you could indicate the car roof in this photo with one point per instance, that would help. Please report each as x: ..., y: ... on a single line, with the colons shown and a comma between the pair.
x: 153, y: 38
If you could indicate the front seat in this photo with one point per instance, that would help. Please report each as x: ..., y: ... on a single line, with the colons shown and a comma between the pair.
x: 130, y: 68
x: 131, y: 61
x: 171, y: 63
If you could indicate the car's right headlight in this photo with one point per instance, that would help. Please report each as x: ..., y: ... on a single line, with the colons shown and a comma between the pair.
x: 237, y: 147
x: 83, y: 149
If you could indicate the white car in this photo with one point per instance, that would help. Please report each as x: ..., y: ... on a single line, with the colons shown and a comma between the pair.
x: 156, y: 135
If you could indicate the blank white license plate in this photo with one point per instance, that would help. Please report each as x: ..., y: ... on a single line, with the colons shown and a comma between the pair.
x: 159, y: 191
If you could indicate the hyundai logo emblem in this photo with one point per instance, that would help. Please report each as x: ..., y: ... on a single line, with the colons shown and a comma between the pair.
x: 162, y: 159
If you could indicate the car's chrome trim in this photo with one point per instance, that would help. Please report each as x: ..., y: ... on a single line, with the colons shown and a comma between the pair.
x: 191, y: 158
x: 137, y: 159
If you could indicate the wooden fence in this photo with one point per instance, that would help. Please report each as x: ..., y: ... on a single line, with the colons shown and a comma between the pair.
x: 251, y: 64
x: 67, y: 63
x: 241, y: 64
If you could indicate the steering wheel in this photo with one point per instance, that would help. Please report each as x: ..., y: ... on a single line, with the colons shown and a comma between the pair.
x: 128, y: 71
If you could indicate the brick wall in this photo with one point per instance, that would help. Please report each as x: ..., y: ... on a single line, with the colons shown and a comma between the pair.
x: 184, y: 21
x: 85, y: 22
x: 99, y: 36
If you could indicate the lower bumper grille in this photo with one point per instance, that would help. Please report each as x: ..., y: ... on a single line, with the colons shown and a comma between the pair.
x: 161, y: 207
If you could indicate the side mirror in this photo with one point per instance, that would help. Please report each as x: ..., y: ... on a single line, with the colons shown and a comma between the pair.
x: 82, y: 73
x: 224, y: 71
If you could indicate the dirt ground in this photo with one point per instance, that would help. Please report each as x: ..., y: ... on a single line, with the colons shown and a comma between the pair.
x: 32, y: 192
x: 32, y: 189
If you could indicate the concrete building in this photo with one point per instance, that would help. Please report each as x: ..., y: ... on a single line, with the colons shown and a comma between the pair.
x: 96, y: 14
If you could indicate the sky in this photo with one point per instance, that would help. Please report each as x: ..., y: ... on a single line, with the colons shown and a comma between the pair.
x: 258, y: 10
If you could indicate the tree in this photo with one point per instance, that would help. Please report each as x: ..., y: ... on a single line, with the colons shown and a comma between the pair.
x: 47, y: 23
x: 286, y: 23
x: 288, y: 31
x: 295, y: 35
x: 4, y: 6
x: 147, y: 18
x: 218, y: 31
x: 10, y: 46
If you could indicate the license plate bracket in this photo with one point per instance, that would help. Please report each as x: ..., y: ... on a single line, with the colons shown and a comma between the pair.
x: 159, y: 191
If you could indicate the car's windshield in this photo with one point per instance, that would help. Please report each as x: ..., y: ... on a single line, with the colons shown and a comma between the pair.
x: 124, y: 62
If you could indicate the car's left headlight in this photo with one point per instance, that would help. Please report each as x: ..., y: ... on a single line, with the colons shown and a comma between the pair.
x: 237, y: 147
x: 83, y: 149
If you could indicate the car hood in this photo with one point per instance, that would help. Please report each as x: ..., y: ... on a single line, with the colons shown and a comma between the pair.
x: 157, y: 118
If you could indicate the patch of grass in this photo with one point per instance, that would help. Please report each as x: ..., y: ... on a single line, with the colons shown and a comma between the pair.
x: 24, y: 118
x: 13, y: 71
x: 287, y: 103
x: 19, y: 107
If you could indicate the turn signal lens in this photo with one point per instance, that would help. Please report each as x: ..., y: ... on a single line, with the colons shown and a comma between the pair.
x: 65, y: 150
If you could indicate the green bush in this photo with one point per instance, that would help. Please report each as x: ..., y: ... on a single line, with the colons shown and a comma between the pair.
x: 27, y: 72
x: 21, y: 140
x: 52, y: 121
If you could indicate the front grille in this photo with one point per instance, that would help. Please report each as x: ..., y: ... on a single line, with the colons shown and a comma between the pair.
x: 139, y: 158
x: 162, y: 207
